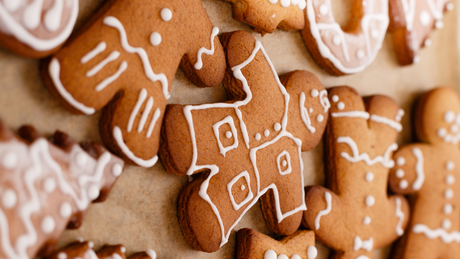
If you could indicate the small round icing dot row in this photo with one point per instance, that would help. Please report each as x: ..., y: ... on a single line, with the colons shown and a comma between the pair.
x: 155, y: 38
x: 446, y: 224
x: 270, y: 254
x: 10, y: 160
x: 166, y: 14
x: 312, y: 252
x: 448, y: 194
x: 283, y: 256
x: 369, y: 176
x: 257, y: 137
x: 314, y: 93
x: 49, y: 185
x: 367, y: 220
x: 340, y: 106
x: 266, y: 133
x: 117, y: 170
x: 319, y: 118
x: 277, y: 127
x: 450, y: 165
x: 48, y: 225
x: 449, y: 116
x: 400, y: 173
x: 93, y: 192
x: 335, y: 98
x: 9, y: 199
x: 447, y: 209
x: 370, y: 201
x: 81, y: 159
x: 400, y: 161
x: 450, y: 179
x: 228, y: 134
x: 403, y: 184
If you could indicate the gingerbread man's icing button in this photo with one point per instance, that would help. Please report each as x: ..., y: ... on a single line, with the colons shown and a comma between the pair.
x: 9, y: 160
x: 166, y: 14
x: 9, y: 199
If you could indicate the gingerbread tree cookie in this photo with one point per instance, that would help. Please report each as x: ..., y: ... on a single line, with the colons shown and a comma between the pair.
x: 266, y: 15
x: 251, y: 244
x: 354, y: 214
x: 36, y: 28
x: 244, y: 149
x: 126, y: 60
x: 411, y: 22
x: 430, y: 171
x: 46, y: 187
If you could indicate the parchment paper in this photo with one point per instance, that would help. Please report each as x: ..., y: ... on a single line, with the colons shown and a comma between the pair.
x: 141, y: 209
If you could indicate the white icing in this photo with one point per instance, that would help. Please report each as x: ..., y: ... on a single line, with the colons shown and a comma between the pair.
x: 312, y: 252
x: 54, y: 71
x: 310, y: 110
x: 283, y: 256
x: 450, y: 179
x: 439, y: 24
x: 363, y: 244
x: 416, y: 59
x: 81, y: 159
x: 62, y: 255
x: 362, y: 257
x: 203, y: 50
x: 301, y: 4
x: 446, y: 224
x: 48, y: 225
x: 145, y: 114
x: 32, y: 14
x: 304, y: 114
x: 335, y: 98
x: 228, y: 120
x: 114, y: 55
x: 400, y: 161
x: 409, y: 7
x: 336, y: 40
x: 403, y: 184
x: 115, y: 23
x: 270, y: 254
x: 324, y: 212
x: 449, y: 116
x: 448, y: 194
x: 94, y: 52
x: 425, y: 18
x: 123, y: 249
x: 323, y: 10
x: 351, y: 114
x: 90, y: 254
x: 277, y: 127
x: 237, y: 206
x: 151, y: 253
x: 118, y: 136
x: 65, y: 210
x: 399, y: 115
x: 450, y: 165
x: 450, y: 6
x: 447, y: 209
x: 93, y: 192
x: 9, y: 199
x: 228, y: 134
x: 155, y: 39
x: 370, y: 201
x: 114, y: 256
x: 90, y: 244
x: 102, y: 85
x: 155, y: 117
x: 49, y: 185
x: 137, y: 107
x: 367, y: 220
x: 385, y: 160
x: 54, y: 15
x: 12, y: 5
x: 454, y: 128
x: 319, y: 118
x: 10, y: 160
x: 418, y: 169
x: 314, y: 93
x: 400, y: 215
x: 296, y: 256
x: 400, y: 173
x: 446, y: 237
x: 369, y: 177
x: 166, y: 14
x: 266, y: 133
x: 288, y: 159
x: 393, y: 124
x: 257, y: 136
x: 340, y: 106
x: 360, y: 54
x: 243, y: 187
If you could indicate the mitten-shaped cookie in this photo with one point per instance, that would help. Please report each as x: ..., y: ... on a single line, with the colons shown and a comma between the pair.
x: 354, y: 214
x: 351, y: 49
x: 266, y: 15
x: 46, y: 187
x: 430, y: 170
x: 36, y: 28
x: 84, y: 250
x: 125, y: 60
x: 244, y: 149
x: 251, y: 244
x: 411, y: 22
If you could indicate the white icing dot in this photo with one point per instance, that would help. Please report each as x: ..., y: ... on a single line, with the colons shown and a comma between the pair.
x: 285, y: 3
x: 155, y: 38
x: 49, y: 185
x: 48, y: 225
x: 310, y: 110
x: 166, y: 14
x: 314, y: 93
x: 319, y: 118
x: 369, y: 177
x: 403, y: 184
x: 450, y: 6
x: 294, y: 2
x: 296, y: 256
x: 450, y: 179
x: 374, y: 34
x: 335, y: 98
x: 312, y: 252
x: 442, y: 132
x: 447, y: 209
x: 450, y: 165
x: 151, y: 253
x: 273, y: 1
x: 93, y: 192
x: 449, y: 116
x: 446, y: 224
x: 427, y: 43
x: 323, y: 10
x: 370, y: 201
x: 10, y: 160
x: 283, y: 256
x: 66, y: 210
x: 228, y: 134
x: 457, y: 119
x: 266, y: 133
x: 9, y: 199
x: 117, y: 169
x: 336, y: 40
x: 340, y: 106
x: 416, y: 59
x: 367, y: 220
x: 62, y: 255
x: 284, y: 163
x: 81, y: 159
x: 400, y: 161
x: 123, y: 249
x: 439, y: 24
x: 12, y: 5
x: 302, y: 4
x: 400, y: 173
x: 270, y: 254
x: 277, y: 127
x: 90, y: 244
x: 257, y: 137
x: 360, y: 54
x: 243, y: 187
x: 448, y: 194
x: 425, y: 18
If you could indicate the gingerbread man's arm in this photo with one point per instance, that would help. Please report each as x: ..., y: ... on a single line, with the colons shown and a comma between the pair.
x: 408, y: 176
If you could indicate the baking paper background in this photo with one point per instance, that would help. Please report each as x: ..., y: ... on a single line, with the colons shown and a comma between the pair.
x: 141, y: 209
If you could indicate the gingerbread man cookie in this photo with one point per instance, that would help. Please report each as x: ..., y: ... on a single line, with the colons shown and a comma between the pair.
x: 36, y: 28
x: 46, y: 187
x: 411, y: 22
x: 430, y: 170
x: 351, y: 49
x: 84, y: 250
x: 354, y: 214
x: 266, y: 15
x: 244, y: 149
x: 126, y: 60
x: 251, y: 244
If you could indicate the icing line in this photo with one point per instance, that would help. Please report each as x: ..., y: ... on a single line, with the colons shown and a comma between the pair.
x: 118, y: 136
x: 385, y: 160
x: 324, y: 212
x: 418, y: 169
x: 400, y: 215
x: 203, y: 50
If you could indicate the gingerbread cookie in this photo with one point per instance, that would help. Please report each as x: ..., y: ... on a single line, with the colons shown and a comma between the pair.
x: 354, y: 214
x: 84, y: 250
x: 266, y: 15
x: 36, y: 28
x: 430, y: 171
x: 351, y: 49
x: 46, y: 187
x: 251, y: 244
x: 245, y: 148
x: 126, y: 60
x: 411, y: 22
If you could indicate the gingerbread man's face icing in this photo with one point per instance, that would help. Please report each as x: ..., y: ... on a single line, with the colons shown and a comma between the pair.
x: 35, y: 28
x: 46, y: 187
x: 126, y: 60
x: 355, y: 214
x: 247, y: 148
x: 431, y: 170
x: 412, y: 22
